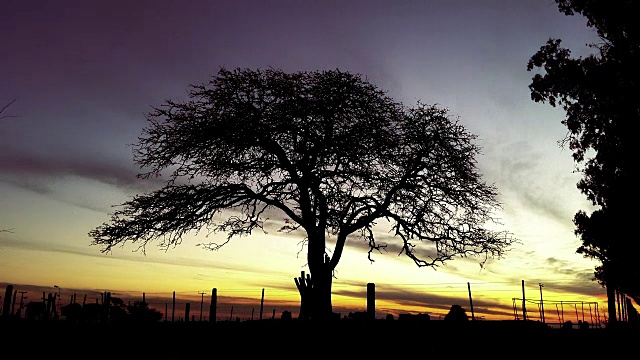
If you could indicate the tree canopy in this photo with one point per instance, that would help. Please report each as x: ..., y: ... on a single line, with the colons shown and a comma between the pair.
x: 597, y: 93
x: 328, y: 150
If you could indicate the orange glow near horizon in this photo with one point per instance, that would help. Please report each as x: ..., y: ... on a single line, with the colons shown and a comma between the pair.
x: 242, y: 304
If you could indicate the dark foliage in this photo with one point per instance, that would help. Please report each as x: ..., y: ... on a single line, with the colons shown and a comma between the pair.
x: 598, y: 94
x: 456, y: 313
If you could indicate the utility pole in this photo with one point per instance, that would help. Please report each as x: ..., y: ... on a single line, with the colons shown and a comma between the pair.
x: 541, y: 304
x: 201, y: 303
x: 524, y: 307
x: 261, y: 303
x: 213, y: 305
x: 59, y: 298
x: 473, y: 317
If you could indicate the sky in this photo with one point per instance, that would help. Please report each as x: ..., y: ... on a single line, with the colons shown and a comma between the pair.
x: 84, y: 74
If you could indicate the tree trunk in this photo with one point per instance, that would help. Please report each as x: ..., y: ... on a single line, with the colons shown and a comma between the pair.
x: 321, y: 307
x: 611, y: 306
x: 315, y: 292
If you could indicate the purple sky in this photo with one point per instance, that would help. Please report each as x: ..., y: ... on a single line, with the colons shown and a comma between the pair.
x: 85, y: 73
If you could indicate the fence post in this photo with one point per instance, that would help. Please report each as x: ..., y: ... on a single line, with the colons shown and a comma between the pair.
x: 371, y: 301
x: 262, y: 304
x: 524, y: 307
x: 214, y: 305
x: 173, y: 308
x: 473, y: 317
x: 7, y: 301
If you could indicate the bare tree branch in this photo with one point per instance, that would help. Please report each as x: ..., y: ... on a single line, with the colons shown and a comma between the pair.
x: 4, y: 108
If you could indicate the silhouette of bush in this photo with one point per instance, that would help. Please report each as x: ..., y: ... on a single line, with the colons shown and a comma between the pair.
x: 36, y: 310
x: 72, y: 312
x: 286, y: 315
x: 456, y: 313
x: 567, y: 325
x: 139, y: 311
x: 414, y: 317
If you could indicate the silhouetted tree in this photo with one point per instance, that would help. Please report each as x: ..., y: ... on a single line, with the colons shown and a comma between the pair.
x: 36, y: 310
x: 598, y: 94
x: 329, y: 151
x: 286, y: 315
x: 139, y: 311
x: 72, y: 312
x: 457, y: 313
x: 115, y: 310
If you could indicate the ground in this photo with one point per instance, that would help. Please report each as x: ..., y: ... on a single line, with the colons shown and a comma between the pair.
x: 376, y: 339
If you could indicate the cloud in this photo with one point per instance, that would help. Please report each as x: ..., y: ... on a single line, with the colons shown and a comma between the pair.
x: 24, y: 166
x: 6, y: 241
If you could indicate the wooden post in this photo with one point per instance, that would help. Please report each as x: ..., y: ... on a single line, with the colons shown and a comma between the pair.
x: 13, y: 303
x: 231, y: 316
x: 21, y: 304
x: 524, y: 306
x: 50, y: 306
x: 214, y: 305
x: 541, y: 305
x: 173, y: 308
x: 262, y: 304
x: 201, y: 303
x: 371, y: 301
x: 186, y: 311
x: 473, y: 317
x: 6, y: 307
x: 107, y: 307
x: 273, y: 314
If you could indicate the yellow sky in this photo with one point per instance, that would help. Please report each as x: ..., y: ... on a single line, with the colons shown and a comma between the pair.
x: 245, y: 266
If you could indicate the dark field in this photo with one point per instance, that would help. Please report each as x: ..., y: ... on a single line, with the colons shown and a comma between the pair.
x: 293, y: 339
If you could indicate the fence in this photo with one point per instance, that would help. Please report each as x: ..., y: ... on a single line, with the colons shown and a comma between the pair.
x: 383, y: 301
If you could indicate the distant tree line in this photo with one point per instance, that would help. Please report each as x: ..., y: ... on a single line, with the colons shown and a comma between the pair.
x: 111, y: 310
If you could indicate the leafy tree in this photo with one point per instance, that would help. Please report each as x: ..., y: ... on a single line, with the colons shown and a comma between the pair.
x: 329, y: 151
x: 598, y: 94
x: 114, y: 310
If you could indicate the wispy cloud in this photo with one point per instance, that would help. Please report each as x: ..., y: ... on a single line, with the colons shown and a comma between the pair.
x: 21, y: 168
